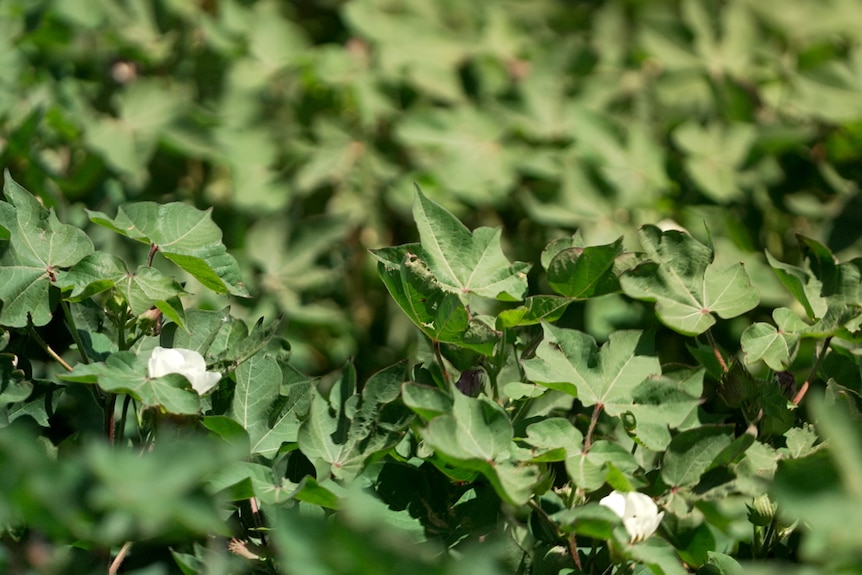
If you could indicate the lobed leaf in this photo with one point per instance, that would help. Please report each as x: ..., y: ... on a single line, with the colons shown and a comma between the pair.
x: 465, y: 262
x: 39, y: 248
x: 185, y: 235
x: 686, y: 286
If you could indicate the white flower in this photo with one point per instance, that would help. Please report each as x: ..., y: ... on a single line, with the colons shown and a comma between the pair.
x: 186, y: 362
x: 639, y: 513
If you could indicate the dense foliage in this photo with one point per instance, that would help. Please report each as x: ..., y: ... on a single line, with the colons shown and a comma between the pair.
x: 471, y: 274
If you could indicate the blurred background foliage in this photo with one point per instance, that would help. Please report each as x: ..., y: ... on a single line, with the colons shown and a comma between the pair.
x: 304, y: 125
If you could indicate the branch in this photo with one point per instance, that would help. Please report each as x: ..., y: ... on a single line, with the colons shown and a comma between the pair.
x: 588, y: 440
x: 54, y: 355
x: 118, y: 560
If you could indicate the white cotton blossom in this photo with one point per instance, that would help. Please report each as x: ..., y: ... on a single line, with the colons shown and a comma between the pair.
x: 639, y: 513
x: 185, y: 362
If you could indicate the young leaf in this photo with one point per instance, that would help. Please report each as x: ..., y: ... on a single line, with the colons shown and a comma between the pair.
x: 686, y: 286
x: 466, y: 262
x: 39, y: 247
x: 584, y: 272
x: 775, y: 346
x: 185, y: 235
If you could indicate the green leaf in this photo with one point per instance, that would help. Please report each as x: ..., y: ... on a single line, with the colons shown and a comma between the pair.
x: 584, y: 272
x: 465, y: 262
x: 142, y: 290
x: 536, y: 309
x: 659, y: 404
x: 570, y: 361
x: 692, y: 453
x: 659, y: 555
x: 477, y: 435
x: 438, y: 314
x: 14, y: 387
x: 553, y: 435
x: 774, y: 346
x: 686, y: 286
x: 95, y: 273
x: 124, y: 372
x: 801, y: 284
x: 714, y: 155
x: 461, y: 146
x: 258, y: 382
x: 185, y: 235
x: 426, y: 401
x: 589, y: 471
x: 344, y: 430
x: 39, y: 248
x: 592, y: 520
x: 823, y: 284
x: 824, y: 488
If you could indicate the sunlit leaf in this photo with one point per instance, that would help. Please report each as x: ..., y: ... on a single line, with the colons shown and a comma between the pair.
x: 466, y: 262
x: 185, y: 235
x: 685, y: 284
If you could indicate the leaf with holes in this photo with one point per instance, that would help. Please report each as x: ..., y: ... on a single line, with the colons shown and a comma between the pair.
x: 685, y: 284
x: 438, y: 314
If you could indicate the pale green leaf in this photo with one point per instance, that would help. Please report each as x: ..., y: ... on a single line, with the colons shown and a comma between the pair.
x: 686, y: 286
x: 466, y: 262
x: 570, y: 361
x: 185, y: 235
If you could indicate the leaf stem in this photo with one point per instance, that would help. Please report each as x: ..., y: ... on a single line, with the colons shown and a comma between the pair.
x: 54, y: 355
x: 153, y: 250
x: 571, y: 540
x: 588, y: 440
x: 439, y: 355
x: 110, y: 404
x: 806, y: 384
x: 572, y: 544
x: 118, y: 560
x: 70, y: 325
x: 122, y: 427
